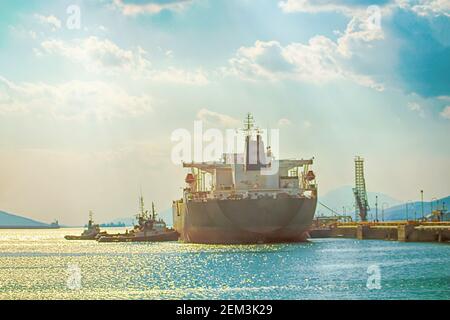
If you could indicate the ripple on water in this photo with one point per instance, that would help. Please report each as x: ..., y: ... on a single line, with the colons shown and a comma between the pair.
x: 34, y: 265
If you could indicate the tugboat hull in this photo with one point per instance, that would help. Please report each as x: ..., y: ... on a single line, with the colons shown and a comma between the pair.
x: 79, y: 237
x: 160, y: 237
x: 245, y: 221
x: 85, y: 237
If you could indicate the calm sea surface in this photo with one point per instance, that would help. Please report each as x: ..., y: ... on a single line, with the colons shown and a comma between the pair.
x: 40, y: 264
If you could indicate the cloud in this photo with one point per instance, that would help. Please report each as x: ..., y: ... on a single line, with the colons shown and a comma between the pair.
x: 50, y: 21
x: 179, y: 76
x: 319, y: 61
x: 354, y: 7
x: 102, y: 56
x: 284, y: 122
x: 307, y: 124
x: 22, y: 32
x: 446, y: 113
x: 423, y: 63
x: 414, y: 52
x: 149, y: 6
x: 347, y: 7
x: 73, y: 100
x: 216, y: 119
x: 414, y: 106
x: 169, y: 54
x: 98, y: 56
x: 431, y: 8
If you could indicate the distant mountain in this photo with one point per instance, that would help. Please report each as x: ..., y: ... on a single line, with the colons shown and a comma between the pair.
x: 393, y: 209
x: 343, y: 197
x: 15, y: 221
x: 166, y: 215
x: 399, y: 212
x: 128, y: 221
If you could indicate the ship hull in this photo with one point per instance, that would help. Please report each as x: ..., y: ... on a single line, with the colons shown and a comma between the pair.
x: 247, y: 221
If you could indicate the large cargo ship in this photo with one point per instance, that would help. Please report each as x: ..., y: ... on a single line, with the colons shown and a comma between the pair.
x: 246, y: 201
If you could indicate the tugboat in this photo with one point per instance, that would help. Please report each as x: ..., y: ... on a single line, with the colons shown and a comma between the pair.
x: 148, y: 229
x: 91, y: 233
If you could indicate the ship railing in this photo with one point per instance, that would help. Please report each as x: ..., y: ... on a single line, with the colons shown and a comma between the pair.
x: 247, y: 194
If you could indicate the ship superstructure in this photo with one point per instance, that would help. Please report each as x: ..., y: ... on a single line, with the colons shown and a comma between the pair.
x: 148, y: 222
x: 91, y: 233
x: 251, y: 197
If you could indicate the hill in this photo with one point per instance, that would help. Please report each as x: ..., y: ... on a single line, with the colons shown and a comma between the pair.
x: 399, y: 212
x: 394, y: 209
x: 343, y: 197
x: 15, y: 221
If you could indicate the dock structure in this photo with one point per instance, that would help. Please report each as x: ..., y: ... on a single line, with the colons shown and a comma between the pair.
x: 361, y: 203
x: 404, y: 231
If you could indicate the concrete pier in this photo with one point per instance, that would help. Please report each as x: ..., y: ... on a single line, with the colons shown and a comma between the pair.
x: 362, y: 232
x: 405, y: 231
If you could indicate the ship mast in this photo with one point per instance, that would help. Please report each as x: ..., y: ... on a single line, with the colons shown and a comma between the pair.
x: 153, y: 211
x: 142, y: 212
x: 249, y: 123
x: 91, y: 219
x: 253, y: 153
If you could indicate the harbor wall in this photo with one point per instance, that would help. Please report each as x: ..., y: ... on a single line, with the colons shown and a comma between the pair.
x: 400, y: 231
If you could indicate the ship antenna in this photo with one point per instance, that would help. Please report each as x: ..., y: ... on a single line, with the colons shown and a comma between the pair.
x: 249, y: 124
x: 153, y: 211
x: 141, y: 204
x: 91, y: 219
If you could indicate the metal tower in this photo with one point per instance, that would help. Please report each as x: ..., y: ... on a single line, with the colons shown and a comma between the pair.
x: 362, y: 205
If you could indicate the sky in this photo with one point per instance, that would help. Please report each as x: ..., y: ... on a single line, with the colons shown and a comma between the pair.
x: 91, y: 91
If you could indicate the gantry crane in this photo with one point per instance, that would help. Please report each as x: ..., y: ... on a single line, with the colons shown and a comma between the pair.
x: 362, y: 205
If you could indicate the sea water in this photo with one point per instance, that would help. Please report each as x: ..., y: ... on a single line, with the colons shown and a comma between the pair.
x: 41, y: 264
